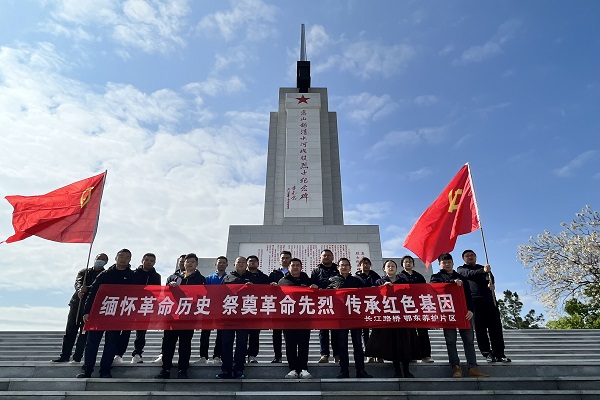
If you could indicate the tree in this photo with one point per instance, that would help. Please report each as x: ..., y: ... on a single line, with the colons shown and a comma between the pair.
x: 567, y: 264
x: 579, y: 316
x: 510, y: 313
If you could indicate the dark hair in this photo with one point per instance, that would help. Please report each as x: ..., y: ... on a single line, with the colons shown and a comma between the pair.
x: 324, y: 250
x: 252, y: 256
x: 124, y: 251
x: 387, y: 261
x: 364, y: 260
x: 192, y: 256
x: 221, y: 258
x: 289, y: 253
x: 182, y: 256
x: 344, y: 259
x: 295, y: 259
x: 467, y: 251
x: 444, y: 257
x: 149, y: 255
x: 405, y: 257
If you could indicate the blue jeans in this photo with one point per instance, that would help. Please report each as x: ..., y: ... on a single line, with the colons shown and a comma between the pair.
x: 468, y: 346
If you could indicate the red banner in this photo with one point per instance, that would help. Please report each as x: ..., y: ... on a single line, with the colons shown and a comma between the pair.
x: 133, y: 307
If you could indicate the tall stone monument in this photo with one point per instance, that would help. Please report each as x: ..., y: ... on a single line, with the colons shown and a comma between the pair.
x: 303, y: 196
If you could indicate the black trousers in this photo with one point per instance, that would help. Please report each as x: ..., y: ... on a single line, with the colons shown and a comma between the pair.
x: 71, y: 335
x: 185, y: 349
x: 487, y: 322
x: 111, y: 344
x: 234, y: 363
x: 359, y: 355
x: 424, y: 342
x: 365, y: 336
x: 205, y: 342
x: 324, y: 343
x: 296, y: 348
x: 253, y: 342
x: 277, y: 340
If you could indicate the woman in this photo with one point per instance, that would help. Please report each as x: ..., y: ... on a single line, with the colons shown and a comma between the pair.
x: 413, y: 277
x: 400, y: 345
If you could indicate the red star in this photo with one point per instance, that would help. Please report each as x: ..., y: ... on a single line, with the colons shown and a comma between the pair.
x: 302, y: 99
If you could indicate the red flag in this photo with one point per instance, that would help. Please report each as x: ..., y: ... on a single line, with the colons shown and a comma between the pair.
x: 453, y: 213
x: 69, y: 214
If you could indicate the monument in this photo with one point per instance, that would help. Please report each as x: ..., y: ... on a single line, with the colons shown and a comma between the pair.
x: 303, y: 196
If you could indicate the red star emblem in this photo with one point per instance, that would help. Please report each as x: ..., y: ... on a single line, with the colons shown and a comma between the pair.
x: 302, y: 99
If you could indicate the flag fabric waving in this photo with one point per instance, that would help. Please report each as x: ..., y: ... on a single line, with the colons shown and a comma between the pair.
x: 69, y: 214
x: 453, y: 213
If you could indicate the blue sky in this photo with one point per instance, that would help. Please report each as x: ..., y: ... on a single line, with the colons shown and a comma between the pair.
x: 173, y: 99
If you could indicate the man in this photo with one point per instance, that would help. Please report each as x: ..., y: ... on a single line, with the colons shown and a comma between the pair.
x: 369, y: 277
x: 145, y: 275
x: 257, y: 277
x: 297, y: 340
x: 414, y: 278
x: 275, y: 276
x: 118, y: 274
x: 191, y: 276
x: 221, y: 264
x: 320, y: 277
x: 487, y: 316
x: 83, y: 281
x: 448, y: 275
x: 233, y: 365
x: 342, y: 281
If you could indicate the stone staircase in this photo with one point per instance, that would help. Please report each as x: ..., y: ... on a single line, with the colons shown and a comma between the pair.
x: 548, y: 364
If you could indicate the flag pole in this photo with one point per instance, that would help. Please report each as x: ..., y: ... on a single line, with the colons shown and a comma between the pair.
x: 481, y: 229
x: 90, y: 250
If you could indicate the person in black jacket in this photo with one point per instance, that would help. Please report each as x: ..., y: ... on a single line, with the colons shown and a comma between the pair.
x: 369, y: 277
x: 346, y: 280
x: 83, y: 281
x: 145, y: 275
x: 275, y: 276
x: 191, y: 276
x: 413, y: 277
x: 118, y: 274
x: 232, y: 366
x: 257, y: 277
x: 448, y: 275
x: 320, y: 277
x: 487, y: 315
x: 297, y: 340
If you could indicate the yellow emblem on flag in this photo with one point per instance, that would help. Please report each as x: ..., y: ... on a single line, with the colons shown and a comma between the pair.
x: 86, y: 195
x: 453, y: 199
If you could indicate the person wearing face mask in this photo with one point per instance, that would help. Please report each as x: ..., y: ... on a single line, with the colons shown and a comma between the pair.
x: 83, y: 281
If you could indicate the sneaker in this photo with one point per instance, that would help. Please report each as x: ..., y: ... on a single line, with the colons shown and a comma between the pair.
x: 504, y: 359
x: 83, y: 375
x: 476, y: 373
x: 60, y: 360
x: 239, y: 375
x: 427, y: 360
x: 202, y: 360
x: 252, y: 360
x: 456, y: 371
x: 182, y: 375
x: 158, y: 359
x: 304, y: 374
x: 336, y: 359
x: 137, y: 359
x: 224, y: 375
x: 324, y: 360
x: 276, y: 360
x: 490, y: 358
x: 117, y: 360
x: 380, y: 360
x: 371, y: 360
x: 164, y: 374
x: 363, y: 374
x: 75, y: 361
x: 291, y: 375
x: 217, y: 360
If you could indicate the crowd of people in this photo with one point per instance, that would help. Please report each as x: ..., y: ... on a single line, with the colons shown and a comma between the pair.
x: 235, y: 348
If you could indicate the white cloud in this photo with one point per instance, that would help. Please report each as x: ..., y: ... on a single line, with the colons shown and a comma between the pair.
x: 492, y: 47
x: 365, y: 213
x: 33, y: 318
x: 419, y: 174
x: 366, y: 58
x: 434, y: 135
x: 569, y: 168
x: 426, y: 100
x: 366, y: 107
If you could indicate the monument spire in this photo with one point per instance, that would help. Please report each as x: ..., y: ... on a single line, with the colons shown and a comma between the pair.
x: 303, y: 66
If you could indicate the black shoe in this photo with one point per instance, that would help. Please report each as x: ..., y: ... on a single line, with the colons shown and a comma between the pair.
x: 224, y: 375
x: 105, y: 375
x: 490, y: 358
x: 164, y: 374
x: 276, y: 360
x: 83, y: 375
x: 182, y: 375
x: 503, y: 359
x: 408, y: 374
x: 343, y: 375
x: 60, y: 360
x: 238, y: 375
x: 363, y: 374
